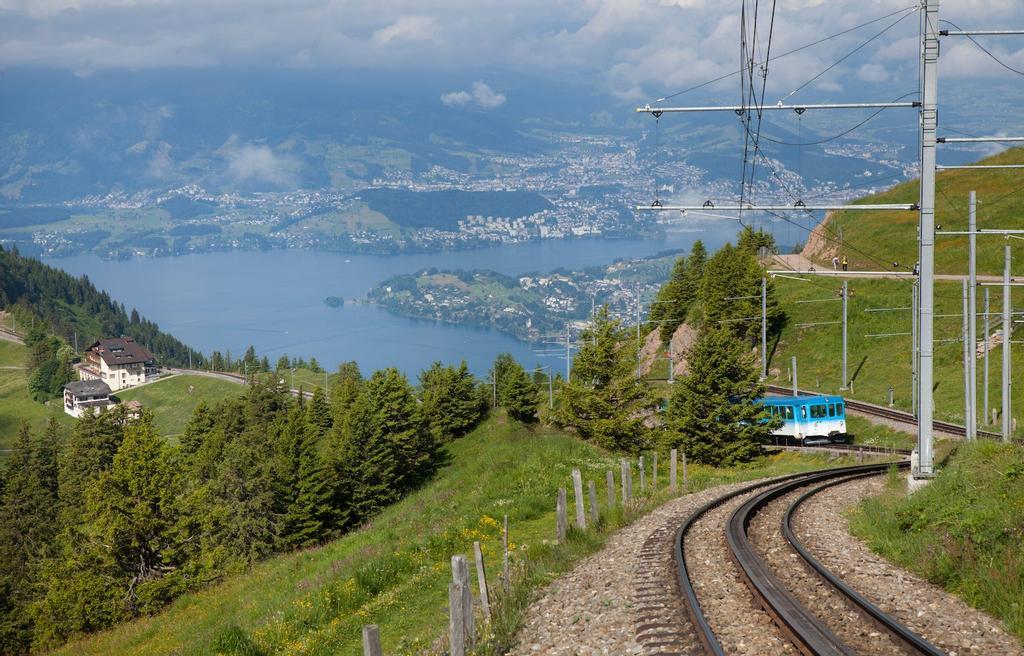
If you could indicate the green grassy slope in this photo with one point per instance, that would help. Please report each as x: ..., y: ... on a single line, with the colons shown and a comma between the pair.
x: 876, y: 363
x: 879, y: 238
x: 962, y: 531
x: 173, y: 403
x: 16, y: 404
x: 394, y: 571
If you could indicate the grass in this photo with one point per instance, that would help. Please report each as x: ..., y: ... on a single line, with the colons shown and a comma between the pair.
x: 964, y: 531
x: 174, y: 399
x: 879, y: 238
x: 16, y: 404
x: 394, y: 571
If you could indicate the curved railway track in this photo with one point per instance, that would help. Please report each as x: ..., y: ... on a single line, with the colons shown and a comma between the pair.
x: 809, y: 633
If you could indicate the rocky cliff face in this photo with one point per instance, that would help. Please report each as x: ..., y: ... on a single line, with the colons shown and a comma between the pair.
x: 681, y: 342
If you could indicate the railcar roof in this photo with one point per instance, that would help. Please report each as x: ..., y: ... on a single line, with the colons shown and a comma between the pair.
x: 803, y: 398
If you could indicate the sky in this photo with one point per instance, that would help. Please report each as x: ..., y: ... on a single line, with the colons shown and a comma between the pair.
x: 634, y: 49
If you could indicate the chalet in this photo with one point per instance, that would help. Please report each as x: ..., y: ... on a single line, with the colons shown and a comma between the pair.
x: 119, y: 362
x: 83, y: 395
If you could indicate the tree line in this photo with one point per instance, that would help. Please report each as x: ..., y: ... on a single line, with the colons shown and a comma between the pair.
x: 40, y: 295
x: 109, y: 520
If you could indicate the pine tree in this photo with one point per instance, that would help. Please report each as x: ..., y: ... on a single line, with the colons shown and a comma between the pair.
x: 89, y: 452
x: 520, y: 395
x: 679, y: 293
x: 713, y: 415
x: 731, y: 292
x: 604, y: 402
x: 318, y: 415
x: 345, y: 387
x: 134, y: 509
x: 199, y: 426
x: 450, y: 404
x: 309, y: 515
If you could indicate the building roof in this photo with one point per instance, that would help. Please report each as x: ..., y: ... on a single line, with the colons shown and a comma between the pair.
x: 88, y: 388
x: 120, y: 350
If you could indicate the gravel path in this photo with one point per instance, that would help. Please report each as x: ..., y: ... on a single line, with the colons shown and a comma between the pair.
x: 939, y: 617
x: 847, y: 622
x: 624, y: 599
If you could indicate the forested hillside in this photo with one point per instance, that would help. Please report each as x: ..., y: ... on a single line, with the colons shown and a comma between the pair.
x: 72, y: 306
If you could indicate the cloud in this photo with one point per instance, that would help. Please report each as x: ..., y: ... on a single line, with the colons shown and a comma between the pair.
x: 456, y: 98
x: 632, y: 48
x: 873, y: 73
x: 407, y: 28
x: 481, y: 94
x: 258, y: 164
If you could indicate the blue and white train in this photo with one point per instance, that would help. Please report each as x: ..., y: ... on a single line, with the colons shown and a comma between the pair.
x: 809, y: 419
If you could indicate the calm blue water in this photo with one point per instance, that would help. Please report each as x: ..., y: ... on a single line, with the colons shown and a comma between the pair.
x: 274, y: 300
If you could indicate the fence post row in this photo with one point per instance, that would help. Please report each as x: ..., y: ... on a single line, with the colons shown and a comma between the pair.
x: 624, y: 466
x: 643, y: 481
x: 610, y: 479
x: 672, y: 470
x: 686, y: 483
x: 654, y: 472
x: 577, y: 490
x: 456, y: 620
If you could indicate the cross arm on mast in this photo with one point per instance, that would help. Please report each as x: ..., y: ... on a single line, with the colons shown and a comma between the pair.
x: 800, y: 109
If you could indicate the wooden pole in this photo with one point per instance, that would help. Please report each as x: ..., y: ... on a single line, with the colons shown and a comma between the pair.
x: 672, y: 469
x: 504, y: 560
x: 460, y: 573
x: 624, y: 466
x: 481, y: 580
x: 610, y: 479
x: 577, y: 491
x: 592, y: 490
x: 643, y: 473
x: 456, y: 620
x: 561, y: 523
x: 371, y: 641
x: 686, y: 482
x: 654, y: 472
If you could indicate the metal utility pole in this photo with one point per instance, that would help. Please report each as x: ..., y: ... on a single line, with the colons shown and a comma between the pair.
x: 795, y: 388
x: 846, y: 296
x: 1007, y: 330
x: 764, y: 328
x: 984, y: 389
x: 971, y: 420
x: 190, y: 358
x: 913, y: 348
x: 639, y: 343
x: 968, y: 411
x: 926, y: 307
x: 494, y: 389
x: 568, y: 356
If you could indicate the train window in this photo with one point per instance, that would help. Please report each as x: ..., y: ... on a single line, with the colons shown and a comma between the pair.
x: 818, y: 411
x: 803, y: 412
x: 831, y: 409
x: 839, y: 409
x: 789, y: 412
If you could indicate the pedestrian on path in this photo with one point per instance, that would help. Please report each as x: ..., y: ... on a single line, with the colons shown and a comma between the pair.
x: 846, y: 262
x: 835, y: 263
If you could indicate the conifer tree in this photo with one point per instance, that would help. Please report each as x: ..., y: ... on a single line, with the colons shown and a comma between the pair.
x: 713, y: 415
x: 198, y: 427
x: 679, y: 293
x: 318, y: 415
x: 89, y: 452
x: 731, y: 292
x: 519, y: 395
x: 134, y: 509
x: 345, y: 387
x: 604, y: 402
x: 450, y: 404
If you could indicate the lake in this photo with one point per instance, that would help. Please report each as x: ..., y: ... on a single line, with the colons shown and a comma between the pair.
x: 274, y: 300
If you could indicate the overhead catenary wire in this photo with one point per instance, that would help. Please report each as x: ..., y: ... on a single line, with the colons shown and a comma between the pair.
x: 986, y: 50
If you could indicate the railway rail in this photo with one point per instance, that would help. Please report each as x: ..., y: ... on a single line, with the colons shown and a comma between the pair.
x: 892, y: 414
x: 802, y: 627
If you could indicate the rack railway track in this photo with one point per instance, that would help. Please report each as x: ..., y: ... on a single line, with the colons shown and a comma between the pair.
x: 801, y: 627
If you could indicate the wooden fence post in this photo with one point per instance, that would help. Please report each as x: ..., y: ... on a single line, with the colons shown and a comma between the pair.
x: 654, y: 472
x: 504, y: 561
x: 643, y: 473
x: 592, y: 490
x: 456, y: 620
x: 577, y: 491
x: 672, y: 469
x: 481, y: 580
x: 610, y: 479
x: 371, y: 641
x: 561, y: 522
x: 624, y: 466
x: 686, y: 482
x: 460, y: 573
